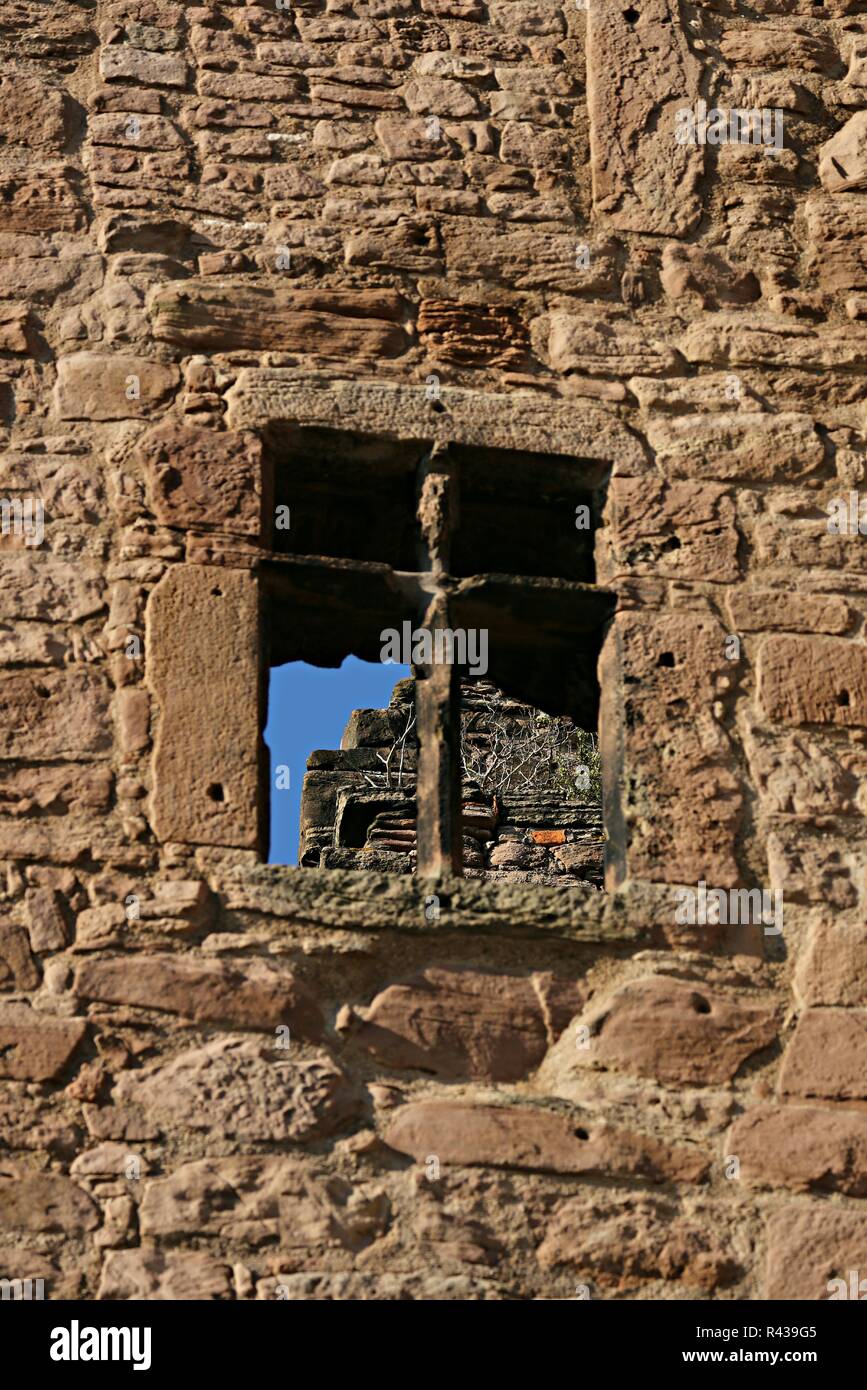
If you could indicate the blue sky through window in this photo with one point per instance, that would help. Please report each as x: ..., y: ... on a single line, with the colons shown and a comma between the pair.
x: 308, y: 707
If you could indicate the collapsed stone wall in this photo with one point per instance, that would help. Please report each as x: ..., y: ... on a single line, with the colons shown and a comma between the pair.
x: 430, y: 220
x: 359, y: 811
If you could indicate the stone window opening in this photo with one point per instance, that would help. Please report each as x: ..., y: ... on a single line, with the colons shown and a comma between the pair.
x: 527, y: 813
x: 434, y: 538
x: 308, y: 709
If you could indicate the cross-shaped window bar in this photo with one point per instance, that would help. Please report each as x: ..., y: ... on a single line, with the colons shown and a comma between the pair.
x: 449, y: 539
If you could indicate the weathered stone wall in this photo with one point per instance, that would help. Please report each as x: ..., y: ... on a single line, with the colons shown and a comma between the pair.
x: 226, y: 223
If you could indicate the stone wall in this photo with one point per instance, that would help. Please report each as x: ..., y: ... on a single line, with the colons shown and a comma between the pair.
x: 227, y: 230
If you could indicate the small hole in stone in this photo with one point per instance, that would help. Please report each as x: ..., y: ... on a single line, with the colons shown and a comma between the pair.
x: 843, y: 698
x: 700, y: 1005
x: 41, y: 692
x: 666, y: 659
x: 218, y: 593
x: 581, y: 1134
x: 215, y: 792
x: 631, y: 15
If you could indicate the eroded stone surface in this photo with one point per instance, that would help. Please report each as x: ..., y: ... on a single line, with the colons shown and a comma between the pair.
x: 248, y: 994
x: 827, y: 1057
x: 808, y: 1247
x: 251, y: 1090
x: 640, y: 72
x: 460, y: 1023
x: 248, y: 253
x: 677, y: 1032
x: 35, y: 1046
x: 802, y: 1148
x: 198, y: 795
x: 154, y: 1274
x: 197, y: 478
x: 533, y: 1138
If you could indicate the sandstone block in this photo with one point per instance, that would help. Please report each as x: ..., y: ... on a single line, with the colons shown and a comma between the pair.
x: 805, y: 681
x: 438, y: 96
x: 531, y: 17
x: 510, y: 855
x: 683, y: 805
x: 144, y: 133
x: 15, y: 327
x: 833, y: 968
x: 92, y: 386
x: 44, y: 202
x: 836, y: 228
x: 827, y: 1057
x: 456, y: 1023
x: 769, y: 610
x: 767, y: 448
x: 801, y: 775
x: 626, y: 1242
x: 46, y: 920
x: 780, y: 45
x: 478, y: 335
x: 408, y: 245
x: 493, y: 419
x: 532, y: 1138
x: 237, y: 1088
x: 255, y: 994
x: 36, y: 1046
x: 33, y: 112
x: 258, y: 1198
x: 808, y: 1247
x: 53, y: 714
x: 107, y: 1160
x: 815, y: 869
x: 676, y: 1032
x: 157, y: 1274
x: 638, y: 75
x: 205, y: 677
x: 401, y: 138
x: 184, y: 900
x: 73, y: 791
x: 44, y: 1202
x: 706, y: 276
x: 769, y: 340
x: 801, y: 1148
x: 342, y: 324
x: 843, y: 158
x: 199, y: 477
x: 120, y: 61
x: 590, y: 345
x: 41, y: 586
x: 681, y: 530
x: 530, y: 258
x: 18, y: 969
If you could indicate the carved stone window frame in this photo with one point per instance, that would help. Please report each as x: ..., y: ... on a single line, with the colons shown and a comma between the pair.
x: 206, y: 640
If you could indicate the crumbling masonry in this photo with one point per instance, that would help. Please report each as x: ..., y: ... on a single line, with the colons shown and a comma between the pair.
x: 439, y: 278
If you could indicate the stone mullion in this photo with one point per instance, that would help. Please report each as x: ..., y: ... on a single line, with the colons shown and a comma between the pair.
x: 438, y: 714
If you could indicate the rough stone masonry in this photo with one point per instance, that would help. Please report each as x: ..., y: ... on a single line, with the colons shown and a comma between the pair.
x: 231, y: 233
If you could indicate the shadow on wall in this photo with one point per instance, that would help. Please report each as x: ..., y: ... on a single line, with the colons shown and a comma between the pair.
x: 309, y: 708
